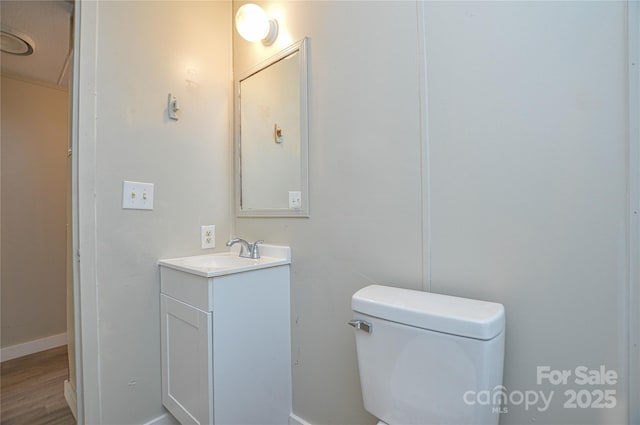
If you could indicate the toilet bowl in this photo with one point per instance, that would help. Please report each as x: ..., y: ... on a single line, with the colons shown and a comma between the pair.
x: 424, y: 357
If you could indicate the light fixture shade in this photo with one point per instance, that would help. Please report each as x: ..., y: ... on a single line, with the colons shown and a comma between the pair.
x: 253, y: 24
x: 15, y: 42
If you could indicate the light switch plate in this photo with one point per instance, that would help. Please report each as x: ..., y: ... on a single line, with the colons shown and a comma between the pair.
x: 295, y: 200
x: 207, y: 236
x: 137, y: 195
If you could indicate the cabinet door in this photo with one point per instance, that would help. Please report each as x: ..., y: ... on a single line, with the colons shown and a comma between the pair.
x: 187, y: 384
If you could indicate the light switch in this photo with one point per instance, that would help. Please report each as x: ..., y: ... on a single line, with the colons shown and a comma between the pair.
x: 137, y: 195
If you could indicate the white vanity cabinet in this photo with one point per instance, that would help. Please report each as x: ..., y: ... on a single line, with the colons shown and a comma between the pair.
x: 187, y: 381
x: 226, y: 349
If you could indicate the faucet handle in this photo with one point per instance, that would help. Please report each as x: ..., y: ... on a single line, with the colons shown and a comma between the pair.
x: 255, y: 253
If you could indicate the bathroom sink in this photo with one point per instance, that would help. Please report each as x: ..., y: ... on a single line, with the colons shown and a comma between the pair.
x: 219, y: 261
x: 229, y: 262
x: 217, y: 313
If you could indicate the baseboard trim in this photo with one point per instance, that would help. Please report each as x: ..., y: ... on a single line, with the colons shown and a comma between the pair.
x: 166, y: 419
x: 31, y: 347
x: 72, y: 400
x: 297, y: 420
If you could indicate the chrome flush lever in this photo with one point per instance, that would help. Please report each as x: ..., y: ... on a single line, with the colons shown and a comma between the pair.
x: 362, y: 325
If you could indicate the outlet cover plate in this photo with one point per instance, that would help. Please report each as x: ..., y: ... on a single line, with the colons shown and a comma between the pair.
x: 295, y: 200
x: 208, y: 236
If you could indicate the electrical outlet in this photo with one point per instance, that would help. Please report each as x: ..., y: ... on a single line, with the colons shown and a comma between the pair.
x: 295, y: 200
x: 137, y: 195
x: 208, y: 236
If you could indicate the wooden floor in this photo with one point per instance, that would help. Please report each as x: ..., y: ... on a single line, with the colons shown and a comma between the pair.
x: 32, y: 389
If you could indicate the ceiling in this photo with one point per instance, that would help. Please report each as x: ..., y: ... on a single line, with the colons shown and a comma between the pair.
x: 48, y: 24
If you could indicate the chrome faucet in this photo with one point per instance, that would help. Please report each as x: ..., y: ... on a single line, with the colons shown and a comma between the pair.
x: 247, y: 250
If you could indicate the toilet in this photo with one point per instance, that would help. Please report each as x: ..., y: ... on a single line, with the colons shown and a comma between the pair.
x: 426, y: 358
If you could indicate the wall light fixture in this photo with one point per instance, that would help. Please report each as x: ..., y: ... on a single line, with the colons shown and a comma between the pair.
x: 253, y: 24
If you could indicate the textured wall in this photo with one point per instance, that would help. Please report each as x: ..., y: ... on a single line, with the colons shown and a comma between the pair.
x: 527, y: 142
x: 364, y: 173
x: 524, y: 174
x: 34, y: 158
x: 143, y: 51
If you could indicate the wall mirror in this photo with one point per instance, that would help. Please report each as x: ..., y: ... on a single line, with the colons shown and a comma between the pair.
x: 272, y: 136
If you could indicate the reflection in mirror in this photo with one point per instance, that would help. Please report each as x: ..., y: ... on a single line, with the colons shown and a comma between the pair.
x: 270, y: 126
x: 272, y: 137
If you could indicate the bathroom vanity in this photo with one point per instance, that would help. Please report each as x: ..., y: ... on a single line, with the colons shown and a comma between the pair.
x: 226, y: 345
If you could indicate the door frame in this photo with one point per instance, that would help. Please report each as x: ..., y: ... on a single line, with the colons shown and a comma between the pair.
x: 88, y: 370
x: 633, y: 216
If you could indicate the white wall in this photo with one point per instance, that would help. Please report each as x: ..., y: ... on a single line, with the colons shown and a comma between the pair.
x: 519, y: 172
x: 524, y: 180
x: 364, y: 173
x: 34, y: 159
x: 132, y: 55
x: 527, y: 140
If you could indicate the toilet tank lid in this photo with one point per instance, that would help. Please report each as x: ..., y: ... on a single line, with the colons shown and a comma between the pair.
x: 442, y: 313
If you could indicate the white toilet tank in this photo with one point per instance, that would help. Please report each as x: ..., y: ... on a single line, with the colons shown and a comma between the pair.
x: 424, y: 358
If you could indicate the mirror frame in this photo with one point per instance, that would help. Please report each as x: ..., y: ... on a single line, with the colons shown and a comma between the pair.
x: 301, y: 47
